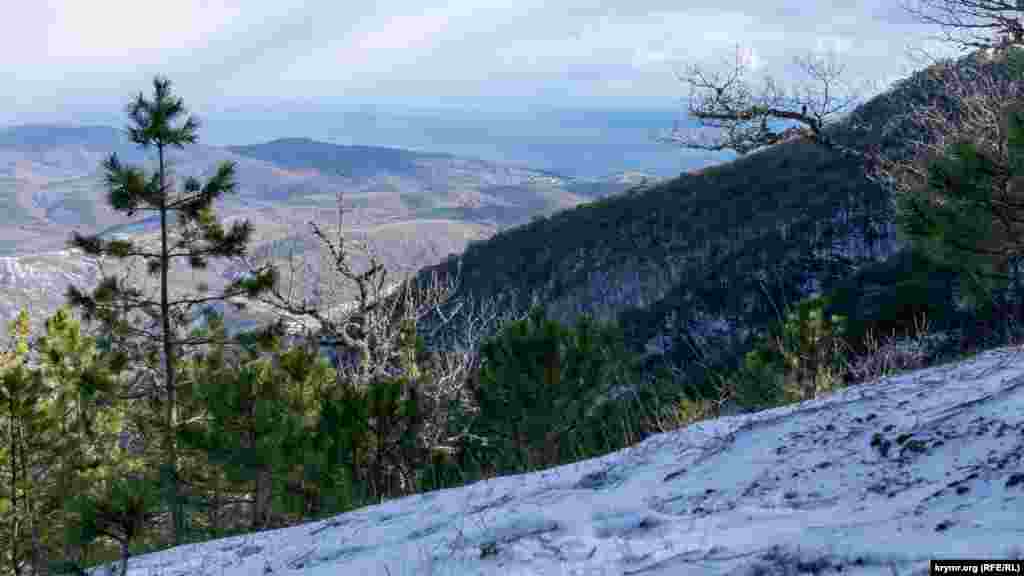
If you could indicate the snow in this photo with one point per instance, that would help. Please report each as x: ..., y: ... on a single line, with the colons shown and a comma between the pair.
x: 875, y: 479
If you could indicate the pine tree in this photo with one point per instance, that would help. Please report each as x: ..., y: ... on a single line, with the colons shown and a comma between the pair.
x: 125, y: 312
x: 61, y: 422
x: 82, y: 401
x: 969, y: 212
x: 249, y: 425
x: 117, y: 507
x: 540, y: 383
x: 258, y: 407
x: 25, y: 428
x: 89, y: 418
x: 810, y: 344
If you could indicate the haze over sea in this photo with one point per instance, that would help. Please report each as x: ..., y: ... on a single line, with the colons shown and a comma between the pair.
x: 580, y: 142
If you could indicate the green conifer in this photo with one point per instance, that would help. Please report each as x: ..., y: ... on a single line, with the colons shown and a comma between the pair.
x: 125, y: 311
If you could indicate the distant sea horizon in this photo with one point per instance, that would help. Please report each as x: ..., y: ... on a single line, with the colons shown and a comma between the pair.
x: 582, y: 143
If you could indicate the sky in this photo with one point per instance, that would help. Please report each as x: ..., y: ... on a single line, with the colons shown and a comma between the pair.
x: 81, y: 61
x: 70, y: 54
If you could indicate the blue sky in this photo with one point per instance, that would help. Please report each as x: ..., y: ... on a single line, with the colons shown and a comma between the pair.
x: 237, y: 61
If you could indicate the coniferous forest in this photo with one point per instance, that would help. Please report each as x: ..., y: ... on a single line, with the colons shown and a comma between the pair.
x: 135, y: 420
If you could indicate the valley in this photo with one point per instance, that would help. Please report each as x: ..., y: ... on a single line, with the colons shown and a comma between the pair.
x: 414, y: 208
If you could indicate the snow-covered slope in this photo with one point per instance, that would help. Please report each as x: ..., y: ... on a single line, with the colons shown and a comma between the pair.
x: 876, y: 479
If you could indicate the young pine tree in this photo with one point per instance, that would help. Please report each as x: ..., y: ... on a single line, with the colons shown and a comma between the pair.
x: 154, y: 323
x: 254, y: 420
x: 969, y: 211
x: 26, y: 430
x: 540, y: 384
x: 60, y: 421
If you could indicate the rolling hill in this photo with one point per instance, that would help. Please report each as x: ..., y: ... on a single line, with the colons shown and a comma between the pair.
x: 415, y: 208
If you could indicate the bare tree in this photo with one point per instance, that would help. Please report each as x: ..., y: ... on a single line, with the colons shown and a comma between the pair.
x: 966, y: 101
x: 980, y: 97
x: 455, y: 340
x: 371, y: 335
x: 948, y: 101
x: 369, y: 332
x: 907, y: 128
x: 359, y: 308
x: 733, y: 116
x: 972, y: 24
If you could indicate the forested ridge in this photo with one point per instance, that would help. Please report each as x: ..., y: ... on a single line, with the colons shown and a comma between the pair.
x: 134, y: 422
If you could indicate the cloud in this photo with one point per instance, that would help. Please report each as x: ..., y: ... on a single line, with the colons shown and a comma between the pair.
x: 70, y: 56
x: 52, y: 38
x: 84, y: 33
x: 404, y: 32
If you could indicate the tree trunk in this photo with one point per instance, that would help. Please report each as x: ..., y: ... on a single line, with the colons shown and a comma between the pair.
x: 358, y: 479
x: 124, y: 556
x: 213, y: 514
x: 37, y: 556
x: 15, y: 527
x: 30, y: 517
x: 170, y: 447
x: 261, y: 500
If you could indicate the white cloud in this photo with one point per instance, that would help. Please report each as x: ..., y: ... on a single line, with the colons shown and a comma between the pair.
x: 403, y: 33
x: 830, y: 44
x: 104, y: 34
x: 116, y: 30
x: 68, y: 55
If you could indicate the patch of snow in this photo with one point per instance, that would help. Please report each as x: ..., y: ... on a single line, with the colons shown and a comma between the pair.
x: 874, y: 479
x: 20, y: 273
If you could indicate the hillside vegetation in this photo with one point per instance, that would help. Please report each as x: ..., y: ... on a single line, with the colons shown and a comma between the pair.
x: 414, y: 207
x: 138, y: 421
x: 693, y: 268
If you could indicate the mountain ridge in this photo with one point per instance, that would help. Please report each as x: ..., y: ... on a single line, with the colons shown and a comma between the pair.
x: 53, y: 184
x: 727, y: 245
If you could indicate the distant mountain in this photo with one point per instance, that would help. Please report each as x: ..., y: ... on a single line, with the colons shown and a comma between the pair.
x: 436, y: 185
x: 688, y: 257
x: 416, y: 208
x: 585, y: 143
x: 47, y: 136
x: 352, y: 161
x: 691, y: 267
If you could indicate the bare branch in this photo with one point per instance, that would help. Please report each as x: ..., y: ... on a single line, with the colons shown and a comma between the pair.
x: 972, y: 24
x: 959, y: 101
x: 369, y: 333
x: 732, y: 116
